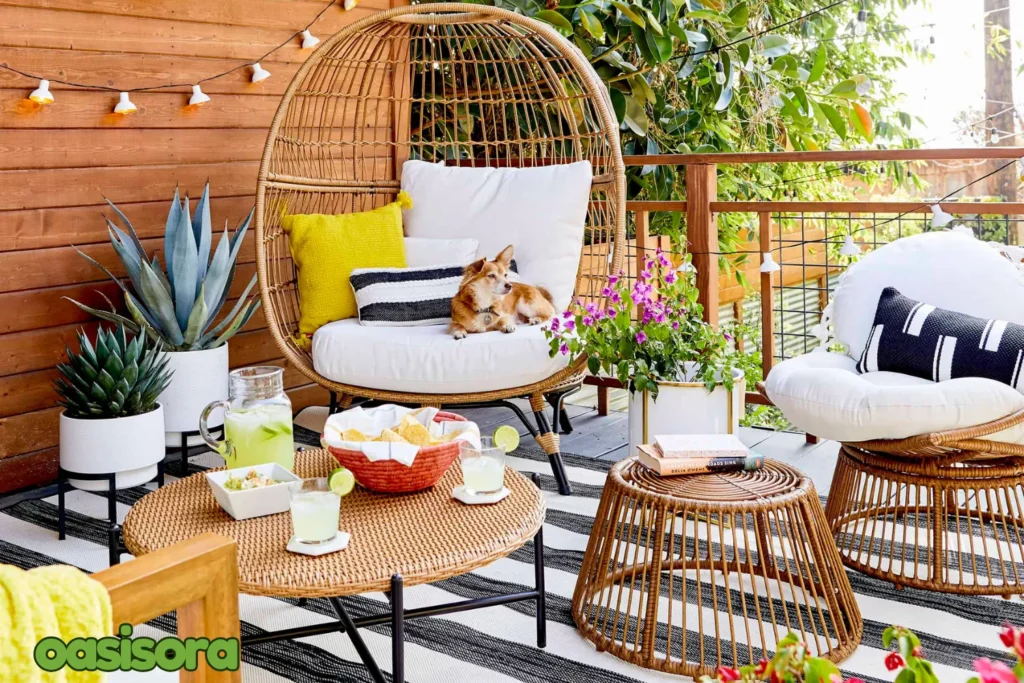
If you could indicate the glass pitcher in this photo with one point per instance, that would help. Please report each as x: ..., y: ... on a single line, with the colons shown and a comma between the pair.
x: 257, y: 420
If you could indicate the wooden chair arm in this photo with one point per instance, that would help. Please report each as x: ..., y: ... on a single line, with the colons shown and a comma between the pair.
x: 198, y: 578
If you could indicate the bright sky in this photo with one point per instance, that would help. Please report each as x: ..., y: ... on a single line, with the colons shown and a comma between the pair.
x: 938, y: 89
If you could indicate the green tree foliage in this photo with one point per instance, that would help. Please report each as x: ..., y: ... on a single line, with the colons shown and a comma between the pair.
x: 742, y: 75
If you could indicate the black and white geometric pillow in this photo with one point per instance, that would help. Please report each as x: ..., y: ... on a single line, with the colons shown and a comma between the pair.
x: 405, y: 297
x: 915, y: 338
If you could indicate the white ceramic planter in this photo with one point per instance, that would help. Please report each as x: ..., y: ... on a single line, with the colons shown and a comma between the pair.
x: 129, y: 446
x: 200, y: 378
x: 686, y: 408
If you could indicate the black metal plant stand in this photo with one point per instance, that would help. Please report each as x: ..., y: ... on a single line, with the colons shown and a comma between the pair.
x: 182, y: 447
x: 398, y: 615
x: 115, y: 544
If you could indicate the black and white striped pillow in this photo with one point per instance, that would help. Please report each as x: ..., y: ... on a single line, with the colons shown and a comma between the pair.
x: 915, y: 338
x: 403, y: 297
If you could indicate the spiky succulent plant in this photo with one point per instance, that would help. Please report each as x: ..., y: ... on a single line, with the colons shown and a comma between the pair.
x: 180, y: 307
x: 114, y: 378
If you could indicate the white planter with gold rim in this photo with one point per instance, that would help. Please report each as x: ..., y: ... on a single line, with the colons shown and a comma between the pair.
x: 686, y: 408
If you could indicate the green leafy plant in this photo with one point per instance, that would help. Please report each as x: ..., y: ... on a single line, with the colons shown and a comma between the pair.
x: 180, y: 307
x: 114, y: 378
x: 648, y: 332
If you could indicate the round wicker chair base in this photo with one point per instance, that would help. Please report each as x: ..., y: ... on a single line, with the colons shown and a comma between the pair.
x: 685, y: 574
x: 956, y: 527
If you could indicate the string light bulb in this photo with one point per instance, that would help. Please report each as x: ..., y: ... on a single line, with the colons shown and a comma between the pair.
x: 719, y: 72
x: 993, y: 137
x: 686, y: 267
x: 860, y: 27
x: 198, y: 96
x: 849, y: 248
x: 259, y: 73
x: 125, y: 105
x: 940, y: 218
x: 350, y: 4
x: 41, y: 95
x: 308, y: 39
x: 768, y: 264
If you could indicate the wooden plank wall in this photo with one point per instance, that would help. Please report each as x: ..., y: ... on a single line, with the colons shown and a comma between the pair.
x: 57, y: 163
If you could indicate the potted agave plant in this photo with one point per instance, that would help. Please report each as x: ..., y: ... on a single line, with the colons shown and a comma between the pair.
x: 682, y: 375
x: 181, y: 307
x: 112, y: 420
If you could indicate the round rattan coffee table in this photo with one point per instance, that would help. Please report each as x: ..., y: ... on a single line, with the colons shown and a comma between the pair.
x: 397, y: 541
x: 686, y: 574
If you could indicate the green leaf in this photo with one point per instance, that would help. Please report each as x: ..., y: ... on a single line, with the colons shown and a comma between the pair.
x: 552, y: 17
x: 833, y: 116
x: 196, y: 319
x: 773, y: 45
x: 618, y: 103
x: 159, y: 303
x: 186, y: 268
x: 635, y: 117
x: 846, y: 89
x: 820, y: 60
x: 862, y: 122
x: 906, y: 675
x: 739, y: 14
x: 591, y: 25
x: 652, y: 23
x: 630, y: 12
x: 202, y: 228
x: 863, y: 84
x: 170, y: 233
x: 642, y: 90
x: 710, y: 15
x: 659, y: 45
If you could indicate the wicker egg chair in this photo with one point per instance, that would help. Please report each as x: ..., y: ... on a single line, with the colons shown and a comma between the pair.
x: 471, y: 85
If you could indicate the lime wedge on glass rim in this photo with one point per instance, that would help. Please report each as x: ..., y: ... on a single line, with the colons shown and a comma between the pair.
x: 507, y: 437
x: 341, y: 481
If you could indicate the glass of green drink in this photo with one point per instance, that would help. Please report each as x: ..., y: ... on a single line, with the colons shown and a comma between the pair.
x: 257, y: 420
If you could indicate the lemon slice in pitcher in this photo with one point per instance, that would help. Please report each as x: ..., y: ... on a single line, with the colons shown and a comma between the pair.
x: 507, y: 437
x: 341, y: 481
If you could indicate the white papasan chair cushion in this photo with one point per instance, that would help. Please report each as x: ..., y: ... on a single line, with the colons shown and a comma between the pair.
x: 428, y: 360
x: 823, y: 394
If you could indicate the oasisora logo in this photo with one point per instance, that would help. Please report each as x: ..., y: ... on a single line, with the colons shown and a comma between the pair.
x: 125, y: 653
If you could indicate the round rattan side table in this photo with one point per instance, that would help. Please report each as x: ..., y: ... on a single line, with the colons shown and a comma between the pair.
x: 685, y: 574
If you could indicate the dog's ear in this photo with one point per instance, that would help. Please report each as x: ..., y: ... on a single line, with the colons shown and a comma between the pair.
x: 474, y: 267
x: 505, y: 256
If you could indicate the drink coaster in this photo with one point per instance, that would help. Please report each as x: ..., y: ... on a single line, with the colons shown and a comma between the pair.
x: 461, y: 494
x: 340, y: 542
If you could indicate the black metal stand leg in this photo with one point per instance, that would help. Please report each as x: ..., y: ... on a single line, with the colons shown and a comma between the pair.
x: 160, y: 474
x: 397, y: 630
x: 557, y: 468
x: 62, y: 484
x: 538, y: 575
x: 357, y: 641
x: 183, y: 454
x: 113, y: 533
x: 301, y: 602
x: 333, y: 407
x: 559, y: 415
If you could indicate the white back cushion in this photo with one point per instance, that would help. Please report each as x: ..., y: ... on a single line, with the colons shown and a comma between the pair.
x: 420, y: 251
x: 540, y: 211
x: 945, y: 269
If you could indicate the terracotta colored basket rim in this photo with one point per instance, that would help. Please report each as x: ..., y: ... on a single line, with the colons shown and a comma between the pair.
x: 441, y: 416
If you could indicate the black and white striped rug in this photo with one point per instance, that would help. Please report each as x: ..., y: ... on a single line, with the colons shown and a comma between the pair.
x: 496, y: 644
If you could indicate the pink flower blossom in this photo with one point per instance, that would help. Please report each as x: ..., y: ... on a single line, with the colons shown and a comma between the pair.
x: 598, y: 314
x: 564, y: 348
x: 613, y: 280
x: 728, y: 337
x: 663, y: 260
x: 894, y: 661
x: 607, y: 291
x: 645, y: 274
x: 641, y: 337
x: 591, y: 308
x: 670, y: 277
x: 675, y: 325
x: 993, y: 672
x: 570, y: 325
x: 567, y: 315
x: 612, y: 312
x: 854, y: 680
x: 554, y: 325
x: 588, y: 321
x: 727, y: 674
x: 616, y: 298
x: 660, y: 317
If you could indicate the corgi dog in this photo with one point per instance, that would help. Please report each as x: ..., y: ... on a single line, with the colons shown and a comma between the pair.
x: 487, y: 301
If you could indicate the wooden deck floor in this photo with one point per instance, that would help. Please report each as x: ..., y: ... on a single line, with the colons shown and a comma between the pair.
x: 605, y: 437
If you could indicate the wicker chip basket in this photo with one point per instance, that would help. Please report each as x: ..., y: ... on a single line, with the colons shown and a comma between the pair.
x: 390, y: 476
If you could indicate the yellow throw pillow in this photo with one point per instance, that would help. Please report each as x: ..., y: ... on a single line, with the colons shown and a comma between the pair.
x: 326, y: 249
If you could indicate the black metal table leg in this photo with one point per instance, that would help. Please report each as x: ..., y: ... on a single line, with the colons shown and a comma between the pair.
x: 357, y: 641
x: 397, y: 630
x: 183, y: 456
x: 538, y: 575
x: 62, y: 484
x: 113, y: 533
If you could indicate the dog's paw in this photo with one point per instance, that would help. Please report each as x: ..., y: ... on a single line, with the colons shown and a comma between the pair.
x: 459, y: 334
x: 508, y: 327
x: 534, y: 321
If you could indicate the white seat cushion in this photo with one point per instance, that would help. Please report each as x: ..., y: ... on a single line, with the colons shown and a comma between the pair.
x: 430, y: 361
x: 541, y: 211
x: 822, y: 394
x: 945, y: 269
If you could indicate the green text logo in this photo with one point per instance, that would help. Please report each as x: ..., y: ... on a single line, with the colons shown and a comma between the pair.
x: 125, y: 653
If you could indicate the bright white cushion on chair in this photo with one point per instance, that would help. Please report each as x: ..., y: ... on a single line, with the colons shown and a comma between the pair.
x: 428, y: 360
x: 421, y: 251
x: 540, y: 211
x: 822, y: 394
x: 945, y: 269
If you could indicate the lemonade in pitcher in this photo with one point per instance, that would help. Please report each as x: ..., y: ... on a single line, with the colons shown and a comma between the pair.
x: 257, y: 420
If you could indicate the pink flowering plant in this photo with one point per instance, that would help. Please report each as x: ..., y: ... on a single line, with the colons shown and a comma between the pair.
x: 647, y: 331
x: 905, y: 658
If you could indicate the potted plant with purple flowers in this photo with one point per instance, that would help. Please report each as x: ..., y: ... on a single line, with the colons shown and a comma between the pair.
x: 682, y: 372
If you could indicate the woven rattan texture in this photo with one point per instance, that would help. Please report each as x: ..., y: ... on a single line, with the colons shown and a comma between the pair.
x: 425, y: 536
x: 954, y: 525
x: 685, y: 574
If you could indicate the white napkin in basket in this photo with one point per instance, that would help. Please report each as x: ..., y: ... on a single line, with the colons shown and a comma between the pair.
x: 373, y: 421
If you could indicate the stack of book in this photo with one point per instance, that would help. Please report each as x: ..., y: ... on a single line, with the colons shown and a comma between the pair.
x: 678, y: 454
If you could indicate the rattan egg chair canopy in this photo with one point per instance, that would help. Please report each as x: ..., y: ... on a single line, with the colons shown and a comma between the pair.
x: 463, y: 84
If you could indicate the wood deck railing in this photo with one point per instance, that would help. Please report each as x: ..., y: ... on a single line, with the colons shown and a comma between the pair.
x: 797, y: 251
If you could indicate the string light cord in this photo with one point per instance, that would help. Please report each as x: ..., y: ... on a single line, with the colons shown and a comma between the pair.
x: 151, y: 88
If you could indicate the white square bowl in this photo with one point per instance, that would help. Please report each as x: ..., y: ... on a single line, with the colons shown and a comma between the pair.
x: 258, y: 502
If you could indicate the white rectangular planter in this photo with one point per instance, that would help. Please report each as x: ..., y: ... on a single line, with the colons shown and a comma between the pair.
x: 199, y: 379
x: 685, y: 408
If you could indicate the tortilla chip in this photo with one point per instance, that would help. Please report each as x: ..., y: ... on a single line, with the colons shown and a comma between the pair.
x: 353, y: 435
x: 445, y: 438
x: 413, y: 432
x: 389, y: 435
